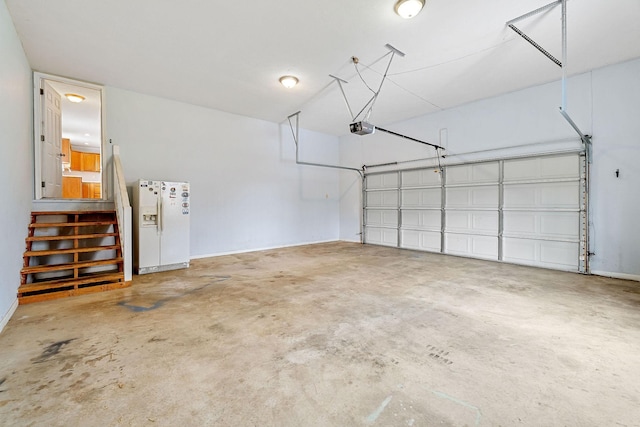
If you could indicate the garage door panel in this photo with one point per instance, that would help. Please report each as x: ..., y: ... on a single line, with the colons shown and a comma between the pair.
x: 473, y: 174
x: 559, y: 255
x: 561, y: 167
x: 422, y: 198
x: 422, y: 219
x: 382, y: 181
x: 561, y: 225
x: 420, y: 240
x: 382, y: 218
x: 381, y: 236
x: 563, y: 195
x: 420, y: 178
x: 485, y: 247
x: 473, y: 197
x: 472, y: 222
x: 539, y: 222
x: 380, y: 199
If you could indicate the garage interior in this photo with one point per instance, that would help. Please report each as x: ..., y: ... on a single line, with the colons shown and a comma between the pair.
x: 470, y: 258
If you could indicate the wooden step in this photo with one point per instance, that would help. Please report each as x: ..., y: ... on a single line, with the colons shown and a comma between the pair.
x: 70, y: 237
x: 57, y: 283
x: 102, y: 212
x: 61, y: 288
x: 76, y: 279
x: 71, y: 266
x: 71, y: 224
x: 71, y: 250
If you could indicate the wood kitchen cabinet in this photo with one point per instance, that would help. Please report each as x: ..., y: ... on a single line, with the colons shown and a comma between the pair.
x: 66, y: 151
x: 91, y: 190
x: 76, y: 160
x: 72, y: 187
x: 91, y: 162
x: 88, y: 162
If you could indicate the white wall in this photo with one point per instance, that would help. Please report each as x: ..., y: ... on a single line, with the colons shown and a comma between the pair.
x: 604, y: 103
x: 616, y: 201
x: 16, y: 168
x: 247, y: 191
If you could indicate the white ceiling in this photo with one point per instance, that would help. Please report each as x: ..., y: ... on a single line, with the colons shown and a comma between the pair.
x: 228, y: 55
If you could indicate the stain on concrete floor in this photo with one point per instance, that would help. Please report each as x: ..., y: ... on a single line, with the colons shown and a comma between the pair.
x: 330, y: 335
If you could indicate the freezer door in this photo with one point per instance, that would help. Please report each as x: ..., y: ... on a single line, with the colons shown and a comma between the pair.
x: 146, y: 203
x: 175, y: 211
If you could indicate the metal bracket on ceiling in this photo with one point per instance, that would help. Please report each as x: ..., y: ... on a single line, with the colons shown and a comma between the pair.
x: 586, y: 139
x: 295, y: 131
x: 346, y: 101
x: 372, y: 101
x: 518, y: 31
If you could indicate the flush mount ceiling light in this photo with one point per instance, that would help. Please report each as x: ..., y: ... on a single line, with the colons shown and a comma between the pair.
x: 74, y: 97
x: 408, y: 8
x: 289, y: 81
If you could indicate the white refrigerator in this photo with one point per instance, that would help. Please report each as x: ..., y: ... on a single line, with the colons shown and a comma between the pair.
x: 161, y: 211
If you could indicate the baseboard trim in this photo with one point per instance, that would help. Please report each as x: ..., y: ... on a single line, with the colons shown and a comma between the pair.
x: 244, y: 251
x: 623, y: 276
x: 8, y: 315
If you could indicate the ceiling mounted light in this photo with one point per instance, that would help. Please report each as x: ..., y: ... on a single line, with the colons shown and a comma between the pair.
x: 288, y: 81
x: 408, y: 8
x: 74, y: 97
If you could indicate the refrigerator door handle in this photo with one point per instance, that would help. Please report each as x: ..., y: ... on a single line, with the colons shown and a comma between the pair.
x: 159, y: 214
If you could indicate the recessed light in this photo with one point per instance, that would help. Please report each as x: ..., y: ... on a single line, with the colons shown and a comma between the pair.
x: 408, y: 8
x: 86, y: 143
x: 86, y: 134
x: 73, y: 97
x: 289, y: 81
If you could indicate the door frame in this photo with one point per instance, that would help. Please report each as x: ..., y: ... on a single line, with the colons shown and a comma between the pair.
x: 38, y: 77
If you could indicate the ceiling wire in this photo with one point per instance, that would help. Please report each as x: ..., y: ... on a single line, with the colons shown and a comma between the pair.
x: 369, y: 67
x: 416, y: 95
x: 355, y: 65
x: 356, y: 61
x: 403, y: 88
x: 455, y: 59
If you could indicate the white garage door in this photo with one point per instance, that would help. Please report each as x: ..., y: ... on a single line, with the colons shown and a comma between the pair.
x: 421, y: 210
x: 471, y: 210
x: 527, y: 211
x: 542, y: 211
x: 381, y: 202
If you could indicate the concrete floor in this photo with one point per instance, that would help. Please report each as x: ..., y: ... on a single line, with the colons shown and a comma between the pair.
x: 334, y: 334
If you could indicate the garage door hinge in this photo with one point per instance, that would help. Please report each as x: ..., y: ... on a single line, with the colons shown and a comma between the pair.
x: 41, y: 91
x: 42, y: 184
x: 42, y: 138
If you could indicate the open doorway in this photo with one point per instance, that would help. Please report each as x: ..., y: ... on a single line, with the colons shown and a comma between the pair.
x: 68, y: 122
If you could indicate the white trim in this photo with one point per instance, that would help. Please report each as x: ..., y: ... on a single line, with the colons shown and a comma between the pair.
x: 8, y: 315
x: 38, y: 77
x: 623, y: 276
x: 243, y: 251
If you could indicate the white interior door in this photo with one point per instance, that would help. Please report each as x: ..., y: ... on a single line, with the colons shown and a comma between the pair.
x: 51, y: 140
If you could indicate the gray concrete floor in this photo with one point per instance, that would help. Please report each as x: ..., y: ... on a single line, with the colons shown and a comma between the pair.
x: 334, y: 334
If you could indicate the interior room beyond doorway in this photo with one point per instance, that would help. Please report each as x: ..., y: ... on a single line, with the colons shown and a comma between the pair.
x: 71, y: 142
